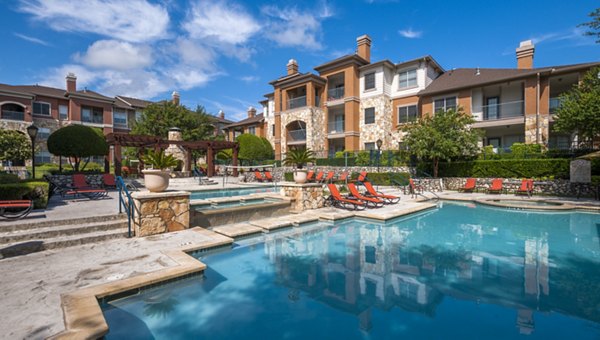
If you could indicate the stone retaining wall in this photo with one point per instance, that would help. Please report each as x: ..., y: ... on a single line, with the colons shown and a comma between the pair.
x: 67, y: 180
x: 161, y: 212
x: 305, y: 196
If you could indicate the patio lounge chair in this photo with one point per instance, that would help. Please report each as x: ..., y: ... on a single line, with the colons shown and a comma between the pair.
x: 259, y: 176
x: 343, y: 177
x: 387, y: 199
x: 369, y: 201
x: 362, y: 176
x: 319, y: 177
x: 74, y: 190
x: 343, y: 202
x: 526, y: 188
x: 329, y: 177
x: 310, y: 176
x: 14, y: 210
x: 268, y: 176
x: 496, y: 187
x: 469, y: 186
x: 414, y: 189
x: 108, y: 181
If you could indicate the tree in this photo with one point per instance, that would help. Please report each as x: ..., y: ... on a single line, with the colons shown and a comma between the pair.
x: 593, y: 26
x: 77, y: 142
x: 579, y: 110
x: 268, y: 148
x: 445, y: 135
x: 14, y: 146
x: 158, y: 118
x: 254, y: 148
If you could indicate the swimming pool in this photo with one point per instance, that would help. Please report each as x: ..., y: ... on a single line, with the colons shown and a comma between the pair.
x: 206, y: 194
x: 234, y: 204
x: 460, y: 271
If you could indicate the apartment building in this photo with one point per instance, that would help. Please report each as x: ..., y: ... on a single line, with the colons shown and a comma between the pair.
x: 353, y: 102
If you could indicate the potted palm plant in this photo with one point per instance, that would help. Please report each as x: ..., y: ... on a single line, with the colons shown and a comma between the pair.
x: 156, y: 179
x: 298, y: 158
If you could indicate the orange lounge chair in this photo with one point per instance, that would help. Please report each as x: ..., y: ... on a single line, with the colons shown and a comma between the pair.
x: 329, y: 177
x: 496, y: 187
x: 387, y: 199
x: 362, y: 176
x: 310, y: 176
x: 526, y: 187
x: 343, y: 177
x: 258, y: 176
x: 81, y: 187
x: 14, y: 210
x: 370, y: 201
x: 319, y: 177
x: 268, y: 176
x: 109, y: 181
x: 343, y: 202
x: 469, y: 186
x: 414, y: 188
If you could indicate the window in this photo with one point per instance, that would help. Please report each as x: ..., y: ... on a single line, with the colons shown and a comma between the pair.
x: 407, y: 114
x: 370, y: 254
x: 43, y: 133
x: 92, y: 115
x: 369, y: 115
x: 252, y: 130
x: 273, y: 128
x: 138, y: 115
x: 369, y: 146
x: 370, y: 81
x: 559, y: 142
x: 63, y: 112
x: 444, y: 104
x: 42, y: 109
x: 407, y: 79
x: 120, y: 117
x: 43, y: 157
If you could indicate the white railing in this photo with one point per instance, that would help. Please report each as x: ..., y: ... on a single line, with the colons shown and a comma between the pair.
x: 503, y: 110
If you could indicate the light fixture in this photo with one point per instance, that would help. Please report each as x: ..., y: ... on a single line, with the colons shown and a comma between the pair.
x: 32, y: 131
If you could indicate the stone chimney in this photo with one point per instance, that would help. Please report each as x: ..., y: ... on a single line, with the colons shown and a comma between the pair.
x: 251, y: 112
x: 175, y: 97
x: 364, y: 47
x: 175, y: 134
x: 525, y: 54
x: 292, y: 67
x: 71, y: 82
x: 221, y: 114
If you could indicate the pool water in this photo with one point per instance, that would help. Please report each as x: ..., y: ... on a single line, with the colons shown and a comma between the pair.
x: 206, y: 194
x: 233, y: 204
x: 528, y: 202
x: 457, y: 272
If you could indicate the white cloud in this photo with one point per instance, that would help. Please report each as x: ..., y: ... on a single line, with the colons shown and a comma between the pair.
x: 410, y: 34
x: 116, y: 55
x: 195, y: 54
x: 220, y: 21
x: 249, y: 79
x: 31, y: 39
x: 289, y: 27
x: 574, y: 35
x: 132, y: 20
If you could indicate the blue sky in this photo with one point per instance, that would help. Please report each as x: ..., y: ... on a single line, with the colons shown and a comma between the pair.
x: 222, y: 54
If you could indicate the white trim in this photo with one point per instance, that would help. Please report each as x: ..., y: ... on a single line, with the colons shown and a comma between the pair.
x: 416, y: 105
x: 39, y: 114
x: 17, y: 103
x: 126, y: 118
x: 404, y: 88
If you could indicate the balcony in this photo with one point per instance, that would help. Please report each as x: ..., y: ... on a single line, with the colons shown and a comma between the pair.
x: 503, y: 110
x: 554, y: 104
x: 335, y: 127
x: 296, y: 136
x: 13, y: 115
x: 335, y: 93
x: 296, y: 102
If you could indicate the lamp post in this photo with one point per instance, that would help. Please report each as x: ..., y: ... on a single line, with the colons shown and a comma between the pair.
x: 379, y: 143
x: 32, y: 131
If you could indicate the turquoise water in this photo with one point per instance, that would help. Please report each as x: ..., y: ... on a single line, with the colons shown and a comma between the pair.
x: 205, y: 194
x: 458, y: 272
x: 233, y: 204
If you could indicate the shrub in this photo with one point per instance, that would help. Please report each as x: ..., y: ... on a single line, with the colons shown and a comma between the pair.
x: 522, y: 150
x: 385, y: 178
x: 77, y: 142
x: 288, y: 176
x: 14, y: 145
x: 335, y: 161
x: 33, y: 190
x: 8, y: 178
x: 507, y: 168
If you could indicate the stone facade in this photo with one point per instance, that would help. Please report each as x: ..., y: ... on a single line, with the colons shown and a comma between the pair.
x: 67, y: 180
x: 314, y: 118
x: 381, y: 129
x: 305, y: 196
x: 158, y: 213
x: 581, y: 171
x: 179, y: 152
x: 543, y: 130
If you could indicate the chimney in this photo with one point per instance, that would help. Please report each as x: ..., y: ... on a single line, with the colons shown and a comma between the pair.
x: 364, y: 47
x: 292, y: 67
x: 175, y: 134
x: 525, y: 55
x: 221, y: 114
x: 175, y: 98
x: 71, y: 82
x: 251, y: 112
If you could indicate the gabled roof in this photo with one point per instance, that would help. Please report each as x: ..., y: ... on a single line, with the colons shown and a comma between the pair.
x: 470, y: 77
x: 341, y: 61
x: 219, y: 119
x: 39, y: 90
x: 88, y: 94
x: 133, y: 102
x: 251, y: 120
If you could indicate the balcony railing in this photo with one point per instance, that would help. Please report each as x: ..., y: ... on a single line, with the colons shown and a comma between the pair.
x: 336, y: 126
x: 335, y: 93
x: 93, y: 119
x: 296, y: 135
x: 13, y: 115
x: 555, y: 104
x: 503, y: 110
x: 296, y: 102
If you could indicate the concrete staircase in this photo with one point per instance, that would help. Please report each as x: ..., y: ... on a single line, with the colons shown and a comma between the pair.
x: 27, y: 238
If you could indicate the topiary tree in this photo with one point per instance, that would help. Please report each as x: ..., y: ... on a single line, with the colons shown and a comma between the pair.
x: 269, y: 153
x: 77, y: 143
x: 254, y: 148
x: 14, y: 146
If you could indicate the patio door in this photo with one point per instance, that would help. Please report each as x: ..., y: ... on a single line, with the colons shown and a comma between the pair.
x: 493, y: 107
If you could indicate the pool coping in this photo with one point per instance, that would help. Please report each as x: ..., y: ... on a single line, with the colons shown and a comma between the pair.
x: 565, y: 205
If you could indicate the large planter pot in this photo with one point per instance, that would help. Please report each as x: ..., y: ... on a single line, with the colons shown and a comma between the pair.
x: 300, y: 176
x: 156, y: 180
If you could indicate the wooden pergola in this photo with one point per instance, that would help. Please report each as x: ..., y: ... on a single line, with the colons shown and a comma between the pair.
x: 118, y: 140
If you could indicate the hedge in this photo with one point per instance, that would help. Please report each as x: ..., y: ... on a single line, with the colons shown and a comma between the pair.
x: 377, y: 178
x: 507, y: 168
x: 34, y: 190
x: 335, y: 161
x: 8, y: 178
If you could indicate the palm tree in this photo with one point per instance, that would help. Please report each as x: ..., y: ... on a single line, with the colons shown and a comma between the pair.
x: 299, y: 157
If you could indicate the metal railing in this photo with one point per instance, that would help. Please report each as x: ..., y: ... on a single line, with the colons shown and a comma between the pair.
x: 125, y: 203
x: 296, y: 102
x: 93, y: 119
x: 336, y: 126
x: 335, y: 93
x: 503, y: 110
x: 555, y: 104
x: 296, y: 135
x: 13, y: 115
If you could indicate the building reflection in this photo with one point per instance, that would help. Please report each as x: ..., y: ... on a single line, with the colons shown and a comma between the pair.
x: 358, y: 266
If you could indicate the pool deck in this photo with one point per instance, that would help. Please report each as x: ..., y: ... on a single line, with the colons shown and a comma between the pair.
x: 33, y: 284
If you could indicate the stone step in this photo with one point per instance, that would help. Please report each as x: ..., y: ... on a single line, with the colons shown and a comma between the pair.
x: 56, y: 231
x: 30, y: 224
x: 33, y: 246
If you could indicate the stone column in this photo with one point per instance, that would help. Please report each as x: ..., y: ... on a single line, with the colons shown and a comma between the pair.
x: 306, y: 196
x: 161, y: 212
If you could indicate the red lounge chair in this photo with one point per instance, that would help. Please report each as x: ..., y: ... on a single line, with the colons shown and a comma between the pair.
x: 108, y: 181
x: 343, y: 202
x: 79, y: 181
x: 526, y: 187
x: 81, y: 187
x: 14, y: 210
x: 343, y: 177
x: 310, y: 175
x: 319, y: 177
x: 388, y: 199
x: 268, y: 176
x: 329, y: 177
x: 370, y: 201
x: 469, y: 186
x: 258, y: 176
x: 414, y: 188
x: 496, y: 187
x: 362, y: 176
